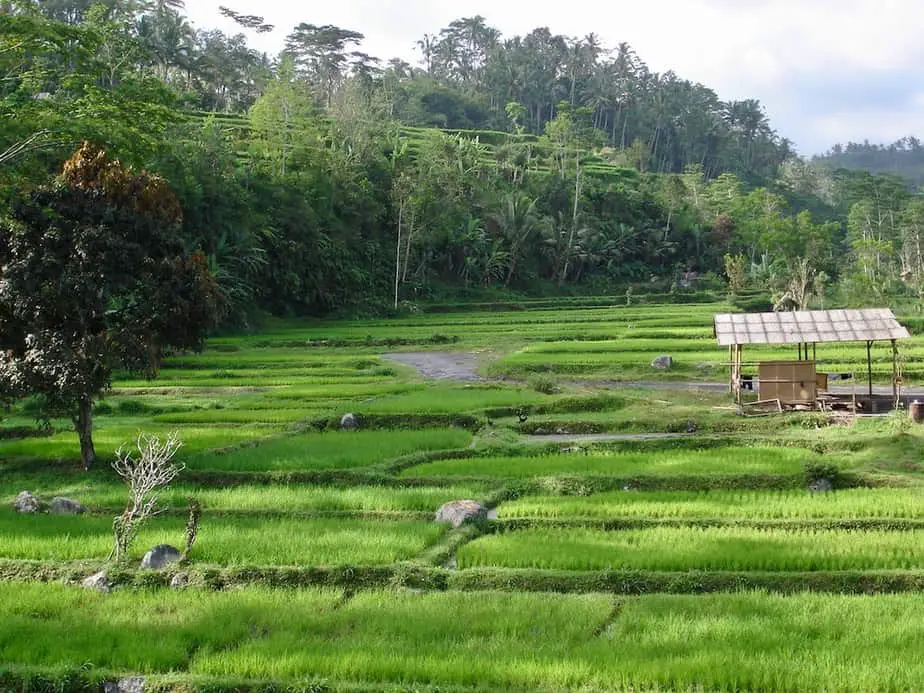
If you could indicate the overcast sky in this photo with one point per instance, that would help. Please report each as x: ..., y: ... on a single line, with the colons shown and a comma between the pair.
x: 826, y: 70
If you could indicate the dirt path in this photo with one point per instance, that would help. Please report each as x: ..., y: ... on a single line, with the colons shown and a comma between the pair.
x: 441, y: 365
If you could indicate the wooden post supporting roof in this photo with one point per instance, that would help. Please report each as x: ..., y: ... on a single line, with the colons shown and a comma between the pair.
x: 894, y: 373
x: 731, y: 370
x: 869, y: 369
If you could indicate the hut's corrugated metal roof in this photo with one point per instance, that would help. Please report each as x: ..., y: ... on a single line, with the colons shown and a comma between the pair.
x: 807, y: 326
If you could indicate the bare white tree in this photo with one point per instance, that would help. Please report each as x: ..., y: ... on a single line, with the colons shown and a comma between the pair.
x: 146, y: 476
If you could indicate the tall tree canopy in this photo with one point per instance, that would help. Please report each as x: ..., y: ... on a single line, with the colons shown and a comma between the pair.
x: 94, y: 277
x: 325, y: 180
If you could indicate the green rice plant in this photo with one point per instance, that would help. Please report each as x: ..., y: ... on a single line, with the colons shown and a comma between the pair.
x: 332, y: 450
x: 96, y: 493
x: 544, y: 384
x: 729, y: 460
x: 493, y: 641
x: 449, y: 400
x: 240, y: 416
x: 697, y: 548
x: 880, y: 503
x: 482, y: 641
x: 223, y: 541
x: 109, y: 434
x: 138, y: 632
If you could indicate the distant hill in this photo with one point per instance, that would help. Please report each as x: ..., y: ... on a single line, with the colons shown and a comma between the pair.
x: 904, y: 157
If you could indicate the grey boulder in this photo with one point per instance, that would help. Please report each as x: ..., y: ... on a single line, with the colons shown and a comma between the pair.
x: 458, y: 512
x: 27, y: 503
x: 160, y: 556
x: 98, y: 581
x: 129, y: 684
x: 821, y: 486
x: 179, y: 581
x: 349, y: 422
x: 662, y: 363
x: 65, y: 506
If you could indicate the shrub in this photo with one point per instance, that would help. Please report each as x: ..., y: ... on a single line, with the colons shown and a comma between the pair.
x: 545, y: 384
x: 145, y: 476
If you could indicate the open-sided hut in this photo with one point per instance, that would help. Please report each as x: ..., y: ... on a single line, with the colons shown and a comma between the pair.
x: 797, y: 382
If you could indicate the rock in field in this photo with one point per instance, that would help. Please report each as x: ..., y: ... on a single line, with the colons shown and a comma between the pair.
x: 160, y: 556
x: 26, y: 503
x: 65, y: 506
x: 179, y: 581
x: 98, y: 581
x: 821, y: 486
x: 349, y: 422
x: 458, y: 512
x: 662, y: 363
x: 129, y: 684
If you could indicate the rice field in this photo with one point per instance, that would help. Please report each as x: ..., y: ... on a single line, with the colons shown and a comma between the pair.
x: 697, y: 548
x: 730, y: 460
x: 878, y: 503
x: 486, y: 641
x: 285, y: 493
x: 239, y: 541
x: 332, y: 450
x: 247, y: 498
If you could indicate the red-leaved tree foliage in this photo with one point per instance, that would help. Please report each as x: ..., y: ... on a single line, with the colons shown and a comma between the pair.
x: 94, y: 276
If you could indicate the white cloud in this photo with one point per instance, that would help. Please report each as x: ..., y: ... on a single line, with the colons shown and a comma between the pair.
x: 741, y: 48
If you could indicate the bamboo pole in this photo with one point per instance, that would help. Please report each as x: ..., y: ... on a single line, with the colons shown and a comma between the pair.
x: 731, y: 369
x: 869, y: 371
x: 894, y: 374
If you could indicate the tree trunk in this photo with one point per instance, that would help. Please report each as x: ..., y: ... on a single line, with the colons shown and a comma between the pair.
x: 398, y: 253
x: 83, y: 424
x: 574, y: 220
x: 514, y: 251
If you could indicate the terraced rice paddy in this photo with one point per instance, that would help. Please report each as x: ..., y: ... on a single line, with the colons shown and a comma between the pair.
x: 488, y: 640
x: 744, y: 505
x: 697, y: 548
x: 228, y: 541
x: 731, y: 460
x: 700, y: 562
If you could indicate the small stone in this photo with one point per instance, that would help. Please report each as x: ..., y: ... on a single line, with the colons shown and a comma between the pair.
x: 540, y: 432
x: 160, y: 556
x: 821, y: 486
x: 691, y: 427
x: 349, y: 422
x: 129, y: 684
x: 179, y: 581
x: 628, y: 487
x: 98, y: 581
x: 662, y: 363
x: 26, y: 503
x: 573, y: 448
x: 65, y: 506
x: 458, y: 512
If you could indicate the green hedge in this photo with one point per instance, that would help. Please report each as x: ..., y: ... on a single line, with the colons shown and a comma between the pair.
x: 367, y: 341
x: 378, y: 421
x: 617, y: 524
x: 398, y: 465
x: 88, y: 680
x: 415, y: 576
x: 319, y: 477
x: 691, y: 582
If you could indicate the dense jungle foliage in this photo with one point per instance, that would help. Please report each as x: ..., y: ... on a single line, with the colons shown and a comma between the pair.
x: 325, y: 180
